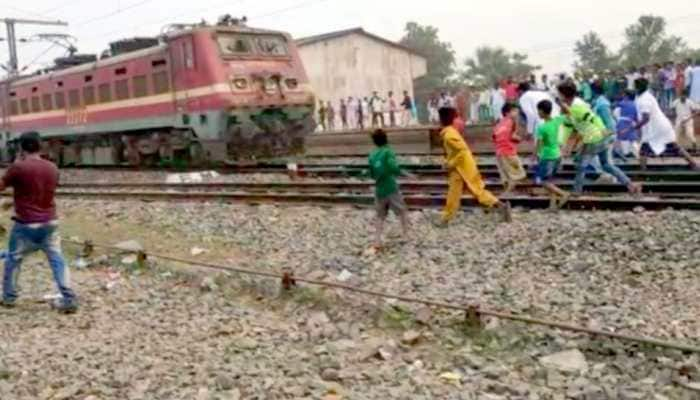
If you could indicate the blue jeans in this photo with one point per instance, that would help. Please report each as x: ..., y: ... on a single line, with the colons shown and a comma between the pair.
x: 601, y: 152
x: 29, y: 238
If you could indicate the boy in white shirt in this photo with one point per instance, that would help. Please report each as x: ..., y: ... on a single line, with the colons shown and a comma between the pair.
x: 685, y: 110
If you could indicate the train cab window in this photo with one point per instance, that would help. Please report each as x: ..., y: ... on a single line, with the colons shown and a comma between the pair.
x: 59, y: 100
x: 271, y: 45
x: 231, y: 44
x: 89, y: 95
x: 36, y: 104
x: 14, y: 110
x: 161, y: 82
x: 105, y: 93
x: 88, y: 78
x: 121, y: 89
x: 120, y: 71
x: 73, y: 98
x: 24, y: 106
x: 140, y: 84
x: 46, y: 102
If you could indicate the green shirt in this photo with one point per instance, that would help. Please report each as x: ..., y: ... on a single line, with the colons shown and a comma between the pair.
x: 384, y: 169
x: 586, y: 123
x: 549, y: 139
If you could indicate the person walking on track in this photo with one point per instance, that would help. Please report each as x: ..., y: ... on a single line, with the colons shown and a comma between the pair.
x: 463, y: 171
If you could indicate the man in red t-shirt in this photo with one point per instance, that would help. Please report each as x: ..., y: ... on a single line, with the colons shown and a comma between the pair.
x: 34, y: 181
x: 506, y: 140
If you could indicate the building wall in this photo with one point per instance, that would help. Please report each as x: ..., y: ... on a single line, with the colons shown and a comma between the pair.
x: 356, y: 65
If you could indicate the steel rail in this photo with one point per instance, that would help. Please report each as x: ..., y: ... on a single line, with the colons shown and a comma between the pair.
x: 335, y: 186
x: 414, y: 201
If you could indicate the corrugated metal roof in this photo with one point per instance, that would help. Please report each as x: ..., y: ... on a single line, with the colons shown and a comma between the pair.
x: 359, y: 31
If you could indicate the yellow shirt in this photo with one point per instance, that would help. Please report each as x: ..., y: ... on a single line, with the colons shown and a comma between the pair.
x: 456, y: 149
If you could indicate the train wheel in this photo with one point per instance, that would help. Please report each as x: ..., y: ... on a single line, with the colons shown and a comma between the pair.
x: 150, y: 160
x: 197, y: 155
x: 117, y: 150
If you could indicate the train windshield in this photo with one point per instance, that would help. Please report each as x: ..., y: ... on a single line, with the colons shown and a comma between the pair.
x: 232, y: 44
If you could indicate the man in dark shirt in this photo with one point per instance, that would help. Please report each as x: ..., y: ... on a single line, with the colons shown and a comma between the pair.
x: 407, y: 105
x: 34, y: 181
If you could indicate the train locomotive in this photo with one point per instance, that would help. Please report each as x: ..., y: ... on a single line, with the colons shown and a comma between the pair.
x: 200, y: 93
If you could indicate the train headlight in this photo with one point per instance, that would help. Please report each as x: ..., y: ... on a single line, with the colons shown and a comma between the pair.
x: 240, y: 83
x: 292, y: 83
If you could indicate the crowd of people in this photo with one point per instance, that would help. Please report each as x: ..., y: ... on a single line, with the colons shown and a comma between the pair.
x: 561, y: 122
x: 372, y: 111
x: 671, y: 84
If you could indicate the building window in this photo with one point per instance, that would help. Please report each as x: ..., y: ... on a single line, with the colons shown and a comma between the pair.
x: 24, y: 106
x: 59, y: 100
x: 36, y: 104
x: 89, y: 95
x: 73, y: 98
x: 161, y: 82
x: 140, y: 86
x: 46, y: 102
x: 121, y: 89
x: 105, y: 93
x: 13, y: 108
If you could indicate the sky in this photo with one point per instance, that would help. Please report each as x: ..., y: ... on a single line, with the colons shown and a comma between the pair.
x: 546, y: 30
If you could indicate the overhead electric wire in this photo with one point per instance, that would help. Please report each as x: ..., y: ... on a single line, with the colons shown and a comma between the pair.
x: 290, y: 8
x: 45, y: 52
x: 113, y: 13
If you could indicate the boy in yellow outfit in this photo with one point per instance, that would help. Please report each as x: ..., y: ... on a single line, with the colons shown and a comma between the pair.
x: 462, y: 170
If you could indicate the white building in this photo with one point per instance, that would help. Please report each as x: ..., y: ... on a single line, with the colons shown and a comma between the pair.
x: 356, y: 63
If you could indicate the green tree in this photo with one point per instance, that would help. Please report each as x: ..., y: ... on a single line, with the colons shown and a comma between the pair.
x: 491, y: 64
x: 593, y: 54
x: 425, y: 40
x: 647, y: 42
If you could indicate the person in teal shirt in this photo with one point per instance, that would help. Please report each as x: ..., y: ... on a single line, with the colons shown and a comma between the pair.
x: 384, y: 169
x: 602, y: 106
x: 549, y: 142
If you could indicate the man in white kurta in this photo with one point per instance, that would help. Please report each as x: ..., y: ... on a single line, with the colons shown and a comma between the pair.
x: 658, y: 134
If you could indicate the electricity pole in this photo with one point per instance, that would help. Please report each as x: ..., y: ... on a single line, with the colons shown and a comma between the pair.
x: 13, y: 66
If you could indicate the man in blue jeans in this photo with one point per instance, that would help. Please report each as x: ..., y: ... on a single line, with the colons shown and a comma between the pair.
x: 34, y: 181
x: 589, y: 129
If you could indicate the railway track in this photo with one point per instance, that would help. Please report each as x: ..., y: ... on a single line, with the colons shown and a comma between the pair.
x: 418, y: 194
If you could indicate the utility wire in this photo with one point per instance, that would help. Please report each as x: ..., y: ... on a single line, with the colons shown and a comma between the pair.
x: 45, y: 52
x: 289, y: 281
x: 290, y: 8
x: 113, y: 13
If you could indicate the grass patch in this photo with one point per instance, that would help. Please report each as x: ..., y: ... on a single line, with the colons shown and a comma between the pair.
x: 307, y: 296
x: 5, y: 375
x: 490, y: 342
x: 396, y: 317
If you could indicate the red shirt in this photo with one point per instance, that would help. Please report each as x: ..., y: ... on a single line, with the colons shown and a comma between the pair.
x: 503, y: 138
x: 511, y: 91
x: 34, y: 182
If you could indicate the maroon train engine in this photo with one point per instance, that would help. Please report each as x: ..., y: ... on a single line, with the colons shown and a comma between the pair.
x: 200, y: 93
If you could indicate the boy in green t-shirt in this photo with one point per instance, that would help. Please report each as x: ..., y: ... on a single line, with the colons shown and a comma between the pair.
x: 549, y: 153
x: 384, y: 169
